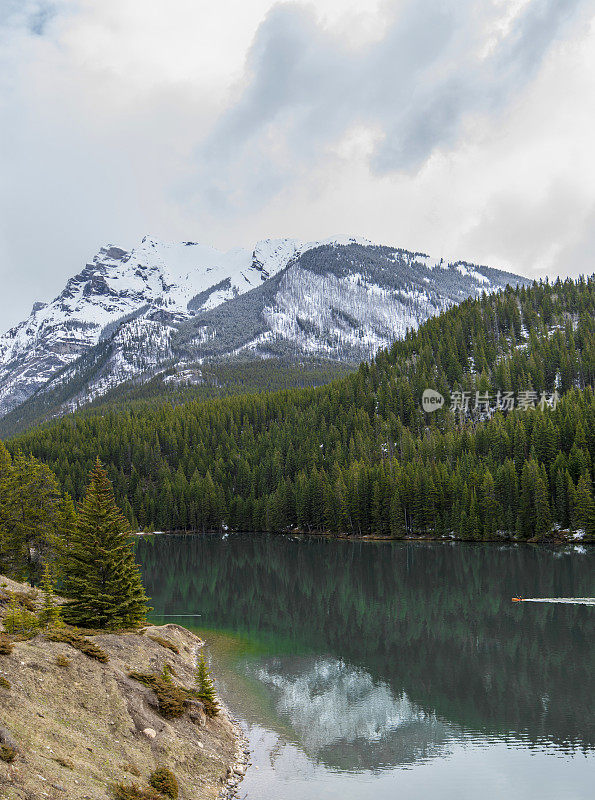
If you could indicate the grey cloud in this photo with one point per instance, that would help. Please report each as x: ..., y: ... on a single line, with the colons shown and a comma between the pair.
x: 96, y: 148
x: 34, y: 15
x: 39, y: 20
x: 542, y: 22
x: 419, y: 84
x: 578, y: 256
x: 551, y: 230
x: 11, y: 12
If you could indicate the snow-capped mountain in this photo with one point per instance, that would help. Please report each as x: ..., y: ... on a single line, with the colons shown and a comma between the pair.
x: 161, y: 283
x: 131, y: 314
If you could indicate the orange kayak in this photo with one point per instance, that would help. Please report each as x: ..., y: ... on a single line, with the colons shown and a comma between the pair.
x: 517, y: 599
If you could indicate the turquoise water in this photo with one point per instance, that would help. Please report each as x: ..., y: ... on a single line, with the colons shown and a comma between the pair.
x: 368, y: 670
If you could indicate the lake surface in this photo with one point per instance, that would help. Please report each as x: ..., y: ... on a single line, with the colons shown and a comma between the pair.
x: 366, y: 670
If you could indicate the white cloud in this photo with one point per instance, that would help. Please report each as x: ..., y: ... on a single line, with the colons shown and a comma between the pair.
x: 462, y: 128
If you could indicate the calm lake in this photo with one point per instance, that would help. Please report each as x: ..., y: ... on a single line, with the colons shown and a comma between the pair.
x: 386, y: 669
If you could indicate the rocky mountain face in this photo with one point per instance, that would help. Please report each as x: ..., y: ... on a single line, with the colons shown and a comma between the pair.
x: 169, y: 308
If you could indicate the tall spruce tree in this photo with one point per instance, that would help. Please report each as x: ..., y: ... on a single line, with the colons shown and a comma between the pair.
x: 583, y: 505
x: 100, y: 575
x: 590, y: 523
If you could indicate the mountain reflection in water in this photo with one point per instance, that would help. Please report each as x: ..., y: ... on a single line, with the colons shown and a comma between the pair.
x: 370, y: 656
x: 345, y: 719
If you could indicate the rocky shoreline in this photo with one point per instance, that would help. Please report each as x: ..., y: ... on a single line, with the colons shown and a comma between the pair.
x: 236, y: 771
x: 79, y: 725
x: 554, y: 539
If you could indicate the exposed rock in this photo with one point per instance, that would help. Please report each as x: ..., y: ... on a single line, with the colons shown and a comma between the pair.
x: 78, y: 731
x: 133, y: 315
x: 7, y: 739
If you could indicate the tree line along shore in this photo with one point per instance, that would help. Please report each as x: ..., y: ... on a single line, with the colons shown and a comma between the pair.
x: 360, y: 456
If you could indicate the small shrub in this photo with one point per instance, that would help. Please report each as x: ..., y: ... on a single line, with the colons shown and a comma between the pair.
x: 20, y: 621
x: 64, y: 762
x: 4, y: 684
x: 7, y: 753
x: 79, y: 642
x: 50, y: 615
x: 168, y: 672
x: 172, y: 699
x: 62, y: 661
x: 132, y: 791
x: 165, y: 782
x: 131, y: 769
x: 26, y: 600
x: 6, y: 646
x: 165, y: 643
x: 211, y: 708
x: 205, y: 688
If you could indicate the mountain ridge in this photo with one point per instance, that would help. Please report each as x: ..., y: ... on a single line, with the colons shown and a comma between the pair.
x: 129, y: 315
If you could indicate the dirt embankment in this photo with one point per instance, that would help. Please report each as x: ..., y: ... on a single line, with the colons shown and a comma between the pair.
x: 75, y: 726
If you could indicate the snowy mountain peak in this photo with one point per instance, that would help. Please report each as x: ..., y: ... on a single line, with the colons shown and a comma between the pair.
x: 170, y: 302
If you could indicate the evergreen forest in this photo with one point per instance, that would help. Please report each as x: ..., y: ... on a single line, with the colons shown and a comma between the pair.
x: 360, y: 456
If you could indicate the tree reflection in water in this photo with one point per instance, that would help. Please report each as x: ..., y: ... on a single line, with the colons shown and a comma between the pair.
x: 392, y: 648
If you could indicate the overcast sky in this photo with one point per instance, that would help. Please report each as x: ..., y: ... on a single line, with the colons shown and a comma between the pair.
x: 462, y: 128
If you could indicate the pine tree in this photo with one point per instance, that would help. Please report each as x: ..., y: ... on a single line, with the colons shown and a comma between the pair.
x: 62, y: 539
x: 6, y: 474
x: 397, y: 519
x: 100, y: 574
x: 543, y: 517
x: 583, y: 510
x: 205, y: 687
x: 12, y: 615
x: 590, y: 523
x: 561, y: 506
x: 527, y: 500
x: 50, y: 615
x: 489, y: 506
x: 29, y: 514
x: 474, y: 524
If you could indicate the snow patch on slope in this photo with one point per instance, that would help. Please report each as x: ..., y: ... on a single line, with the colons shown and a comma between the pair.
x: 155, y: 278
x: 330, y: 300
x: 331, y: 316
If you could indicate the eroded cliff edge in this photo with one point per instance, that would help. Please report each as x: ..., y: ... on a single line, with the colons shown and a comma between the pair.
x: 79, y: 727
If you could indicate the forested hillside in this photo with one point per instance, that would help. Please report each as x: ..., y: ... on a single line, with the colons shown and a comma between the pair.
x: 360, y: 455
x: 194, y: 382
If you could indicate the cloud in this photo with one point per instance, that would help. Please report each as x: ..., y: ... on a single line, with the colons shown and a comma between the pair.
x: 577, y: 254
x: 459, y: 127
x: 305, y: 88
